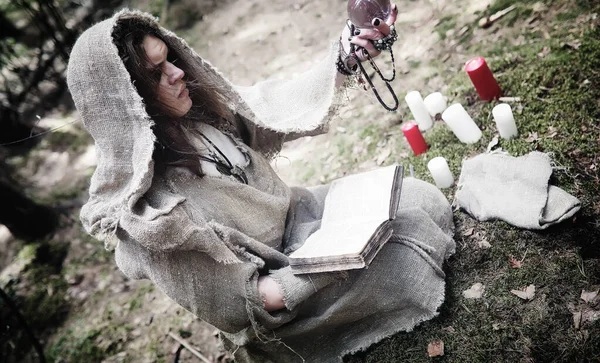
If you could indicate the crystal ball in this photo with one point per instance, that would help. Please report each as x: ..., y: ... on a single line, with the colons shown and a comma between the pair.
x: 362, y: 12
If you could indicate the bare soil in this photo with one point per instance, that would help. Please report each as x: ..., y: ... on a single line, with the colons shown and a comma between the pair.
x: 112, y: 319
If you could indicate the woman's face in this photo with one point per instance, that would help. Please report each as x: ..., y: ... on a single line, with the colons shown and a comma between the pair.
x: 172, y: 91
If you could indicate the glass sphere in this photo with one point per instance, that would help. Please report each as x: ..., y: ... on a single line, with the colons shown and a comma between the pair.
x: 362, y: 12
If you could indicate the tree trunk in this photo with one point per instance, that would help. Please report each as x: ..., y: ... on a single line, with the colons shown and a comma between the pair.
x: 23, y: 217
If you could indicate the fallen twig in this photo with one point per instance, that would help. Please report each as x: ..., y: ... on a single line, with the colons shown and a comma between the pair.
x: 190, y: 348
x: 488, y: 21
x: 524, y: 255
x: 509, y: 99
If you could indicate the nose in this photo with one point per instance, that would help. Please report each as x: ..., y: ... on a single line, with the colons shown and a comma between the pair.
x: 174, y: 73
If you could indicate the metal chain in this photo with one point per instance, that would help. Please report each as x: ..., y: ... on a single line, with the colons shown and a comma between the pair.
x: 353, y: 55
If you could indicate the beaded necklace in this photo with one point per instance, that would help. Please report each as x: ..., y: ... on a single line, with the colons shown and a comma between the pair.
x: 382, y: 45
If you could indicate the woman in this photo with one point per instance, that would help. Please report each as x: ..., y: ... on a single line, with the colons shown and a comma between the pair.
x: 184, y: 191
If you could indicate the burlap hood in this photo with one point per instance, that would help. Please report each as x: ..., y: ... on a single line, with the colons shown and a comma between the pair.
x: 114, y: 114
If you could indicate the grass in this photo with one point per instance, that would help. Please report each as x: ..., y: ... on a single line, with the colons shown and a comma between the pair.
x: 78, y: 346
x: 40, y: 295
x: 559, y: 94
x: 89, y: 344
x: 446, y: 23
x: 137, y: 301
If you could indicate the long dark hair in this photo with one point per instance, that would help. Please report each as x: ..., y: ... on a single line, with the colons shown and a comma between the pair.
x: 173, y: 145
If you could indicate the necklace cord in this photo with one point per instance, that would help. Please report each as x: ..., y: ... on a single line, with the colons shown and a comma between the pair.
x: 226, y: 167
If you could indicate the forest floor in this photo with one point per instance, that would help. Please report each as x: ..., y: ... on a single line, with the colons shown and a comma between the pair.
x: 546, y: 55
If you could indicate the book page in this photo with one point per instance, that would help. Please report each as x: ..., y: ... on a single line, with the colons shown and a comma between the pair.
x: 348, y: 238
x: 358, y: 196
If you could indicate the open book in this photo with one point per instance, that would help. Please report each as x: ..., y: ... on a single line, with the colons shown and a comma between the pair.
x: 356, y: 222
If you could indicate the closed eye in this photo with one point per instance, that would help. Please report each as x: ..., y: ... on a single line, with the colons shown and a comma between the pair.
x: 172, y: 58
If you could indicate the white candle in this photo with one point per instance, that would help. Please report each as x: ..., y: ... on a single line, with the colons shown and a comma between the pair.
x: 438, y: 167
x: 463, y: 126
x: 505, y: 121
x: 419, y: 110
x: 435, y: 103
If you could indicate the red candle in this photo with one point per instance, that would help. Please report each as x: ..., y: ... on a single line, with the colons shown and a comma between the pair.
x: 415, y: 138
x: 483, y: 79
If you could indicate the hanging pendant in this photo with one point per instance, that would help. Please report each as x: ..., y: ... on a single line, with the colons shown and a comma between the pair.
x: 362, y: 12
x: 239, y: 174
x: 389, y: 87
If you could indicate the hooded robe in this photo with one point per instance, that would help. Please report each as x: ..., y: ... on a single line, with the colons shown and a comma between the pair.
x: 205, y: 240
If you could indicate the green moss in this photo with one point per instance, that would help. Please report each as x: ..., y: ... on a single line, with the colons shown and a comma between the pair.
x: 445, y: 24
x: 75, y: 141
x: 155, y: 7
x: 414, y: 63
x: 77, y: 345
x: 137, y: 300
x: 309, y: 172
x: 559, y: 93
x: 157, y: 353
x: 500, y: 327
x: 40, y: 292
x: 28, y: 252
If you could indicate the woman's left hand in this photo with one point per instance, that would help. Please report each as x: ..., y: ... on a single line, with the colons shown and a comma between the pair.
x: 270, y: 293
x: 364, y: 37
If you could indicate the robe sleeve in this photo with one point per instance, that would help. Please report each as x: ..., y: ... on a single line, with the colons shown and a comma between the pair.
x: 297, y: 288
x: 302, y: 106
x: 210, y: 269
x: 224, y: 295
x: 216, y: 293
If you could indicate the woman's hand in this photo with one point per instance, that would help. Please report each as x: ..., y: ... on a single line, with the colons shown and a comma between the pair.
x: 364, y: 38
x: 270, y: 293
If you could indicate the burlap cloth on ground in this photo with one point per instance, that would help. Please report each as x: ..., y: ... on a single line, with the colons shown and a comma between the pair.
x: 204, y: 241
x: 513, y: 189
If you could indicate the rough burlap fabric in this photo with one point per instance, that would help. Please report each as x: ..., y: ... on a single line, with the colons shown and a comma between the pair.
x: 513, y: 189
x: 204, y: 241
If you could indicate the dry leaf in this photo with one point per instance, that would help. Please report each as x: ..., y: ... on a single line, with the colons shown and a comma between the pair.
x: 514, y: 263
x: 492, y: 144
x: 449, y: 329
x: 587, y: 315
x: 573, y: 45
x: 545, y: 51
x: 435, y: 348
x: 484, y: 244
x: 533, y: 136
x: 577, y: 319
x: 475, y: 292
x: 519, y: 109
x: 496, y: 326
x: 552, y: 131
x: 589, y: 296
x: 526, y: 294
x: 468, y: 232
x: 385, y: 153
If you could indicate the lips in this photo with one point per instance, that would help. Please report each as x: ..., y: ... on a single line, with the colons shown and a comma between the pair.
x: 183, y: 93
